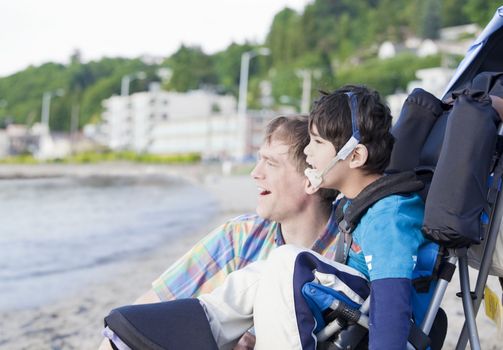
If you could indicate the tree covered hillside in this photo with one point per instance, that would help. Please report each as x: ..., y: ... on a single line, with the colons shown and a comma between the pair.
x: 336, y: 39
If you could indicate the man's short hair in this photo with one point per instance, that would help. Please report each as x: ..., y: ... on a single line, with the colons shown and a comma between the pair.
x: 293, y: 131
x: 331, y: 114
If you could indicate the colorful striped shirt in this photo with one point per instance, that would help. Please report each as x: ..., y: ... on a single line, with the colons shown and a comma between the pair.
x: 230, y: 247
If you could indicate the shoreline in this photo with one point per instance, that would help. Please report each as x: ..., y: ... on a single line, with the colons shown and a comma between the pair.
x: 194, y: 171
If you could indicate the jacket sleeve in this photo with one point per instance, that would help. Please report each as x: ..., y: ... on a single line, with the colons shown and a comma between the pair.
x: 390, y: 313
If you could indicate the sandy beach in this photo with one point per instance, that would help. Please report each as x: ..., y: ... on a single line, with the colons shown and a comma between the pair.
x: 76, y: 321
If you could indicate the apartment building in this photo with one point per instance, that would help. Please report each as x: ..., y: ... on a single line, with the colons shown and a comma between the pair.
x: 198, y: 121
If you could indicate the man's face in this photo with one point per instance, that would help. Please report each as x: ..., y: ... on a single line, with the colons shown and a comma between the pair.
x: 281, y: 188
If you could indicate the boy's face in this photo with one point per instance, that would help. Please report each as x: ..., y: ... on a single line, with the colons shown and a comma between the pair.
x: 319, y: 153
x: 281, y: 188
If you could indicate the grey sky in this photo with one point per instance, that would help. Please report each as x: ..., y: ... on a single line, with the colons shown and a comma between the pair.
x: 37, y: 31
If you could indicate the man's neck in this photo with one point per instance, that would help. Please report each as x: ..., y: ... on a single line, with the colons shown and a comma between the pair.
x: 304, y: 229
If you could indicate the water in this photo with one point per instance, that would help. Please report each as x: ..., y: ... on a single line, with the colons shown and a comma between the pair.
x: 57, y: 233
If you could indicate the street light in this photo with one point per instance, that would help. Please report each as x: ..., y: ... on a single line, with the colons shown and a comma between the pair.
x: 127, y: 79
x: 46, y: 104
x: 306, y: 75
x: 242, y: 122
x: 128, y: 123
x: 243, y: 77
x: 3, y: 107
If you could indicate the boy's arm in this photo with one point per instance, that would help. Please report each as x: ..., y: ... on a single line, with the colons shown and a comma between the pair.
x: 390, y: 245
x: 390, y: 313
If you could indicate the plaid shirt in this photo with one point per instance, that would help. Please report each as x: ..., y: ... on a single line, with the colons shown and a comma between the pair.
x: 230, y: 247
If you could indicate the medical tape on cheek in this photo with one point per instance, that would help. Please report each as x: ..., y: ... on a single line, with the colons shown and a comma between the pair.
x: 342, y: 154
x: 316, y: 178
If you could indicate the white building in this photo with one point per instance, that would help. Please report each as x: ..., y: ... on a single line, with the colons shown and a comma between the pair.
x: 4, y: 143
x: 433, y: 80
x: 395, y: 103
x: 457, y: 32
x: 50, y: 146
x: 453, y: 40
x: 427, y: 48
x: 387, y: 50
x: 169, y: 122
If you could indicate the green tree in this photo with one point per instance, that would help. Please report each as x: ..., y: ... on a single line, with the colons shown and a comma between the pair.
x: 387, y: 76
x: 85, y: 85
x: 227, y: 65
x: 283, y: 37
x: 192, y: 69
x: 452, y: 13
x: 481, y: 11
x: 430, y: 23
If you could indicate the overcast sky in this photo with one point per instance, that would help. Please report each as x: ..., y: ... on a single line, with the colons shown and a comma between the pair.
x: 38, y: 31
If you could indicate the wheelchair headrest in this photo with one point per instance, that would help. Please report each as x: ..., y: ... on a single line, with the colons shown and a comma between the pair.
x: 419, y: 134
x: 430, y: 151
x: 452, y: 147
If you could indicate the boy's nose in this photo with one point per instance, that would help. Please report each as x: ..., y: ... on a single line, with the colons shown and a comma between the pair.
x: 306, y: 150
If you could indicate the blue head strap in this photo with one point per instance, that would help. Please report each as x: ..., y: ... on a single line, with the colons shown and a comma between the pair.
x: 353, y: 106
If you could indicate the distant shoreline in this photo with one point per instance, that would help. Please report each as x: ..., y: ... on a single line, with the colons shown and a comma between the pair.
x: 192, y: 172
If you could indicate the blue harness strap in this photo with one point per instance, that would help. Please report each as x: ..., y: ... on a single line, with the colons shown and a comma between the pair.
x: 320, y: 298
x: 424, y: 279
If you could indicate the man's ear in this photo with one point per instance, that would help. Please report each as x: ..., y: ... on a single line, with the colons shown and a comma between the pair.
x: 358, y: 157
x: 308, y: 188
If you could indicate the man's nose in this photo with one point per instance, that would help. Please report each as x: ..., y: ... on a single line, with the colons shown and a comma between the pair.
x: 256, y: 172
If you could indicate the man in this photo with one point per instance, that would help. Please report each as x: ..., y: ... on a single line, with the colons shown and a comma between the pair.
x: 286, y: 214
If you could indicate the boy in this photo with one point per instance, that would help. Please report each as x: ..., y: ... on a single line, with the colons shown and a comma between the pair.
x: 386, y: 241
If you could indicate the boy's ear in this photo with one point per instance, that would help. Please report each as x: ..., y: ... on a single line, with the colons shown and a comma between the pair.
x: 358, y: 157
x: 308, y: 188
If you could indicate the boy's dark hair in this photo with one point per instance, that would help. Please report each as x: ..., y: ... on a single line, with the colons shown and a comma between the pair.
x: 293, y: 130
x: 331, y: 114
